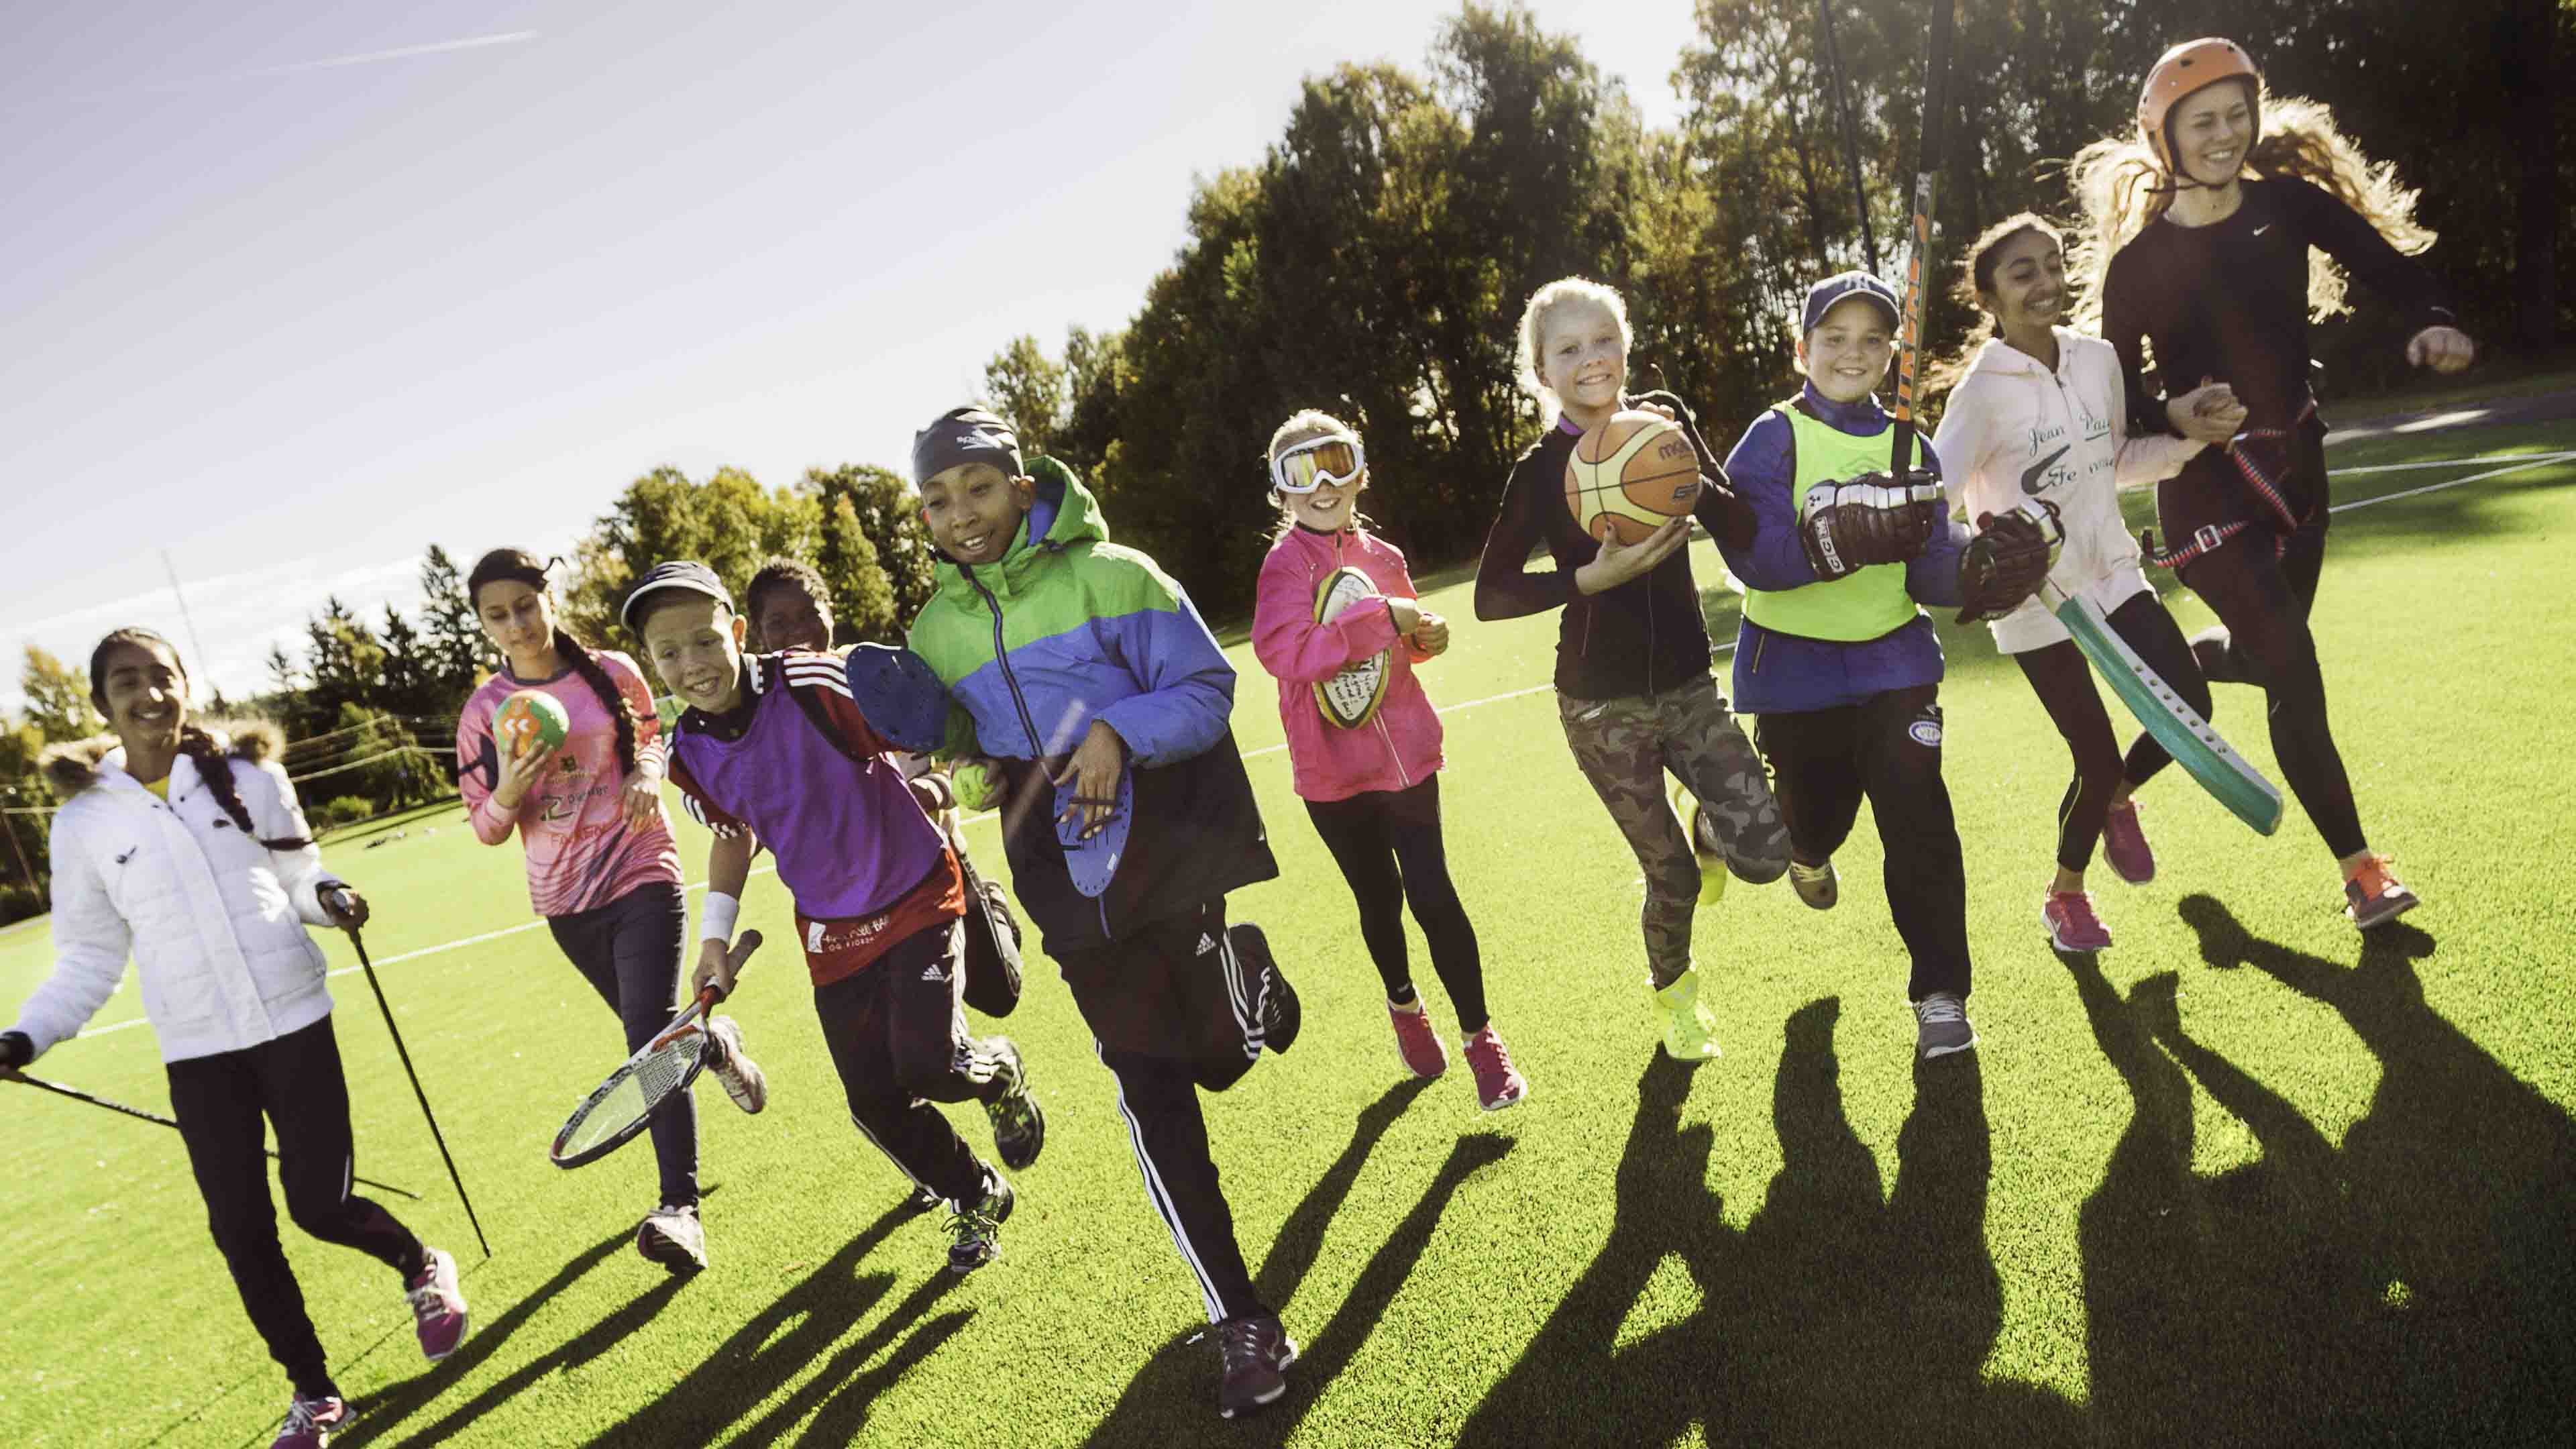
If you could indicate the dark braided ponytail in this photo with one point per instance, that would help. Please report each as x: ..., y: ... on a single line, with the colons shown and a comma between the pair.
x: 214, y: 764
x: 613, y: 699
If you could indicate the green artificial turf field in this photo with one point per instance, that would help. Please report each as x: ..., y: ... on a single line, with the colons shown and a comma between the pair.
x: 2244, y: 1179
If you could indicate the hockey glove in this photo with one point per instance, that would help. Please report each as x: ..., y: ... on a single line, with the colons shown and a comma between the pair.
x: 1846, y: 527
x: 2007, y: 561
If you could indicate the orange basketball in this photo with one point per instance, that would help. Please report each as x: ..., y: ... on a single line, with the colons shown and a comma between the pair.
x: 1631, y: 476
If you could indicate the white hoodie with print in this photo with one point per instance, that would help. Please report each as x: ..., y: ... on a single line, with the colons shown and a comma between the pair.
x: 2015, y: 430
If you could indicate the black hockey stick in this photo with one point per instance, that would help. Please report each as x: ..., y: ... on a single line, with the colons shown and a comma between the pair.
x: 405, y: 1053
x: 77, y: 1095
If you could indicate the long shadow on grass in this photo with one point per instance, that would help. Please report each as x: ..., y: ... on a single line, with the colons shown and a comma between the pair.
x: 1172, y: 1399
x: 1833, y: 1318
x: 2417, y: 1284
x: 382, y: 1413
x: 777, y: 1345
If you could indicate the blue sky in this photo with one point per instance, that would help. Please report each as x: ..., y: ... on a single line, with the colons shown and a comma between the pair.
x: 295, y: 289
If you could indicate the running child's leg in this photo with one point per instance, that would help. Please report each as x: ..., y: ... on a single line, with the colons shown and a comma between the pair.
x: 856, y: 1013
x: 1615, y: 743
x: 926, y: 1040
x: 306, y: 1095
x: 1413, y: 827
x: 1355, y: 831
x: 1158, y: 1098
x: 1814, y: 777
x: 630, y: 952
x: 2242, y: 581
x: 1705, y: 746
x: 2063, y: 681
x: 2144, y: 625
x: 1927, y: 882
x: 216, y: 1100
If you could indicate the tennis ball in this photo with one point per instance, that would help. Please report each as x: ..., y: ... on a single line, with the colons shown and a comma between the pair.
x: 527, y: 717
x: 975, y: 785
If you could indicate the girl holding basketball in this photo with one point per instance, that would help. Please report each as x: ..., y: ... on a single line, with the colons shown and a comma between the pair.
x: 602, y: 867
x: 1371, y: 782
x: 1633, y: 688
x: 2038, y: 410
x: 2216, y: 230
x: 187, y: 851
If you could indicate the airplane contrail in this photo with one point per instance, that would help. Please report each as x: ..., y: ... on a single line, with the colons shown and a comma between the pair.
x: 400, y: 52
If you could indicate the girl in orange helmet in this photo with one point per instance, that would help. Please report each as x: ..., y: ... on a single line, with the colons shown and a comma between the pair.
x: 2217, y: 233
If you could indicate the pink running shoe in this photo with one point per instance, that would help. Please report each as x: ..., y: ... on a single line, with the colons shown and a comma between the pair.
x: 1498, y: 1082
x: 2124, y: 845
x: 309, y: 1422
x: 2072, y: 926
x: 1416, y: 1044
x: 437, y: 1306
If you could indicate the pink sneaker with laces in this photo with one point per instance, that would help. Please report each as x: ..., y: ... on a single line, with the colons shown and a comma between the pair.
x: 1498, y: 1082
x: 310, y: 1422
x: 2072, y: 926
x: 1416, y: 1044
x: 437, y: 1306
x: 2124, y: 845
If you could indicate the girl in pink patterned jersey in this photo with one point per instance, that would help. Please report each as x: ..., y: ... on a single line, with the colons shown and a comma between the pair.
x: 602, y: 867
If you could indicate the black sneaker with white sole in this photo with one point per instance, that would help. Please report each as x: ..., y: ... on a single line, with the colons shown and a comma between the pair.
x: 1019, y: 1126
x: 1257, y: 1353
x: 1259, y: 971
x: 975, y: 1229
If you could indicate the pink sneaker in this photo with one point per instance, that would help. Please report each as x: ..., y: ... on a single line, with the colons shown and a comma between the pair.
x: 2124, y: 845
x: 1416, y: 1044
x: 1498, y: 1082
x: 309, y: 1423
x: 437, y: 1306
x: 2072, y: 926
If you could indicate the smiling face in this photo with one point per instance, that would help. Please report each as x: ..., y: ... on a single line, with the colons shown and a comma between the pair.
x: 1583, y: 355
x: 1848, y: 352
x: 791, y: 618
x: 1328, y: 508
x: 2027, y: 293
x: 519, y: 619
x: 2210, y: 131
x: 973, y: 511
x: 694, y: 644
x: 144, y: 694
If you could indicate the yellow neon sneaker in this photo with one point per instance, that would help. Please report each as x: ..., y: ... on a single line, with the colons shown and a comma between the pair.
x: 1690, y: 1028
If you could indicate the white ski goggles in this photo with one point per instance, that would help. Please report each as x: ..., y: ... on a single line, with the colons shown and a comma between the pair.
x: 1333, y: 458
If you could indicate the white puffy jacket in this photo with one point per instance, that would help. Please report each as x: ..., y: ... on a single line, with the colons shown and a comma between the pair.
x: 2016, y: 430
x: 215, y: 921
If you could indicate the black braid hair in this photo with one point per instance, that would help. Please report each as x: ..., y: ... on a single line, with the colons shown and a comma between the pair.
x: 521, y: 566
x: 214, y: 766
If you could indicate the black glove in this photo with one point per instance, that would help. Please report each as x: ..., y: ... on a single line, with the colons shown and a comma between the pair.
x: 1733, y: 512
x: 1849, y: 526
x: 2007, y: 561
x: 16, y: 1050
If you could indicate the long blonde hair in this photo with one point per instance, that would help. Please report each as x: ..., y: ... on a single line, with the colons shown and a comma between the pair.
x: 1559, y: 293
x: 2121, y: 189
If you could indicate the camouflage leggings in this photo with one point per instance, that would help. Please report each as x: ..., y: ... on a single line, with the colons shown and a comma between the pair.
x: 1624, y: 746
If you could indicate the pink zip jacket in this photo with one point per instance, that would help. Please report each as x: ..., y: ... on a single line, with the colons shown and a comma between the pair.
x: 1398, y: 749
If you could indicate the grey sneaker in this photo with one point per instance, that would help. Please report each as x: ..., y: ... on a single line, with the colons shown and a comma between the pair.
x: 1019, y: 1127
x: 1257, y: 1352
x: 976, y: 1228
x: 1941, y: 1026
x: 1815, y: 884
x: 673, y: 1237
x: 742, y: 1078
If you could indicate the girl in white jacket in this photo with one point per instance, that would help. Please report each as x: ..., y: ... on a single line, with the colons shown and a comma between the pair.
x: 2039, y: 411
x: 188, y: 851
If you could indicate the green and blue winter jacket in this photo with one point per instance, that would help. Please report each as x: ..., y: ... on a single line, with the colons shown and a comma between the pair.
x: 1067, y: 628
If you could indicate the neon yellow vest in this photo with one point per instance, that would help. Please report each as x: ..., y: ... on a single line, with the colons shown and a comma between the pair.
x: 1857, y: 606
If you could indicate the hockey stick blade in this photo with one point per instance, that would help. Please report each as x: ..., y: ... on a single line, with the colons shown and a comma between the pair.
x: 2194, y: 745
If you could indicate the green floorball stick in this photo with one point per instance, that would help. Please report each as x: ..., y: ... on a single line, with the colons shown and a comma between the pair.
x: 2194, y: 745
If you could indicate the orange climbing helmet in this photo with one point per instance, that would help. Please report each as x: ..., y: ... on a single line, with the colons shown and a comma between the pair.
x: 2186, y: 68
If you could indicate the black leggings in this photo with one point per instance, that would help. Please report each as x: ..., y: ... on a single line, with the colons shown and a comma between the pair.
x: 2263, y: 598
x: 1387, y: 843
x: 629, y: 951
x: 295, y: 1082
x: 2064, y: 683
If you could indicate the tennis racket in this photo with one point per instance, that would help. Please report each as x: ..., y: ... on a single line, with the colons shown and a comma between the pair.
x: 610, y: 1116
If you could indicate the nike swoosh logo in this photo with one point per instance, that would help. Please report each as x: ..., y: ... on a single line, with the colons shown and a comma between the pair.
x: 2030, y: 476
x: 2267, y: 226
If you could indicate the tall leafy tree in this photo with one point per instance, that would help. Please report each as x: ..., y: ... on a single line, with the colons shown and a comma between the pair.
x: 57, y: 697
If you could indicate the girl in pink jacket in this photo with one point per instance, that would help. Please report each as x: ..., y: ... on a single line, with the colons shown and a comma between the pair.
x: 1370, y: 775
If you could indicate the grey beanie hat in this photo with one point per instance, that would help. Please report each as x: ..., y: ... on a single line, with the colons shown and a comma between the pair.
x: 964, y: 435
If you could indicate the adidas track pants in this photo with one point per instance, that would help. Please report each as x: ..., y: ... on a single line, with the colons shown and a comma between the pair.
x: 898, y: 1038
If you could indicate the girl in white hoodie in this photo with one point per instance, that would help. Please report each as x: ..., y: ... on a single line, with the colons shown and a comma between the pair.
x: 2039, y: 411
x: 188, y: 851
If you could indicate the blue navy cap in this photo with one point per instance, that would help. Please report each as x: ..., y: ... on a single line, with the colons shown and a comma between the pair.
x: 964, y: 435
x: 899, y: 695
x: 685, y: 575
x: 1822, y: 297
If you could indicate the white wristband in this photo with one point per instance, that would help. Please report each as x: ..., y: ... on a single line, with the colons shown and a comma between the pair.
x: 715, y: 922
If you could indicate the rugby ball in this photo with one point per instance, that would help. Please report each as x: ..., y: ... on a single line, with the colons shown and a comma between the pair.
x: 1350, y: 698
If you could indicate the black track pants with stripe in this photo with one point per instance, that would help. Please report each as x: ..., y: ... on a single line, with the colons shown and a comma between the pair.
x: 898, y: 1038
x: 296, y: 1083
x: 1175, y: 1009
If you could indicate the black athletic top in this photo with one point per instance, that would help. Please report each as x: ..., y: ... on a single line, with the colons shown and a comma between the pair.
x: 1643, y: 637
x: 2229, y: 301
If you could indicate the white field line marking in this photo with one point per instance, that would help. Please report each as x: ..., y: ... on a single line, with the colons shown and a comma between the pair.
x: 2513, y: 467
x: 2447, y: 463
